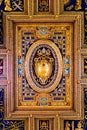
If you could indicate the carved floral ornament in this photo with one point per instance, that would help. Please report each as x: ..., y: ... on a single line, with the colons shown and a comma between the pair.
x: 43, y: 66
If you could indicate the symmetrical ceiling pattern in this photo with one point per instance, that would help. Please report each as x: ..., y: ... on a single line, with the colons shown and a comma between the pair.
x: 43, y: 65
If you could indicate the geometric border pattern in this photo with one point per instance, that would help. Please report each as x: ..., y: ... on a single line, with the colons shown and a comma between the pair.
x: 58, y: 117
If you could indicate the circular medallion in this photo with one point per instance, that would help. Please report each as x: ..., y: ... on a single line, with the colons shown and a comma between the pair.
x: 43, y: 66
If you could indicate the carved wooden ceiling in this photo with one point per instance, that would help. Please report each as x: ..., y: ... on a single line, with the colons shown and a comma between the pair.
x: 43, y: 67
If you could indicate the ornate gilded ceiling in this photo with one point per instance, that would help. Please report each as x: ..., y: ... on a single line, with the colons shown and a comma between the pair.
x: 43, y: 67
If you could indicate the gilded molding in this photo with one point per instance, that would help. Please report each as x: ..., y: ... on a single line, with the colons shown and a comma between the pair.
x: 43, y: 107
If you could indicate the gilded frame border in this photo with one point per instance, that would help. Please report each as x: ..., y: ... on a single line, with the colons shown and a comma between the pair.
x: 12, y: 112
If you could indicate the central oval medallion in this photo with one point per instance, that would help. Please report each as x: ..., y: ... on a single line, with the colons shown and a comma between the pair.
x: 43, y: 66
